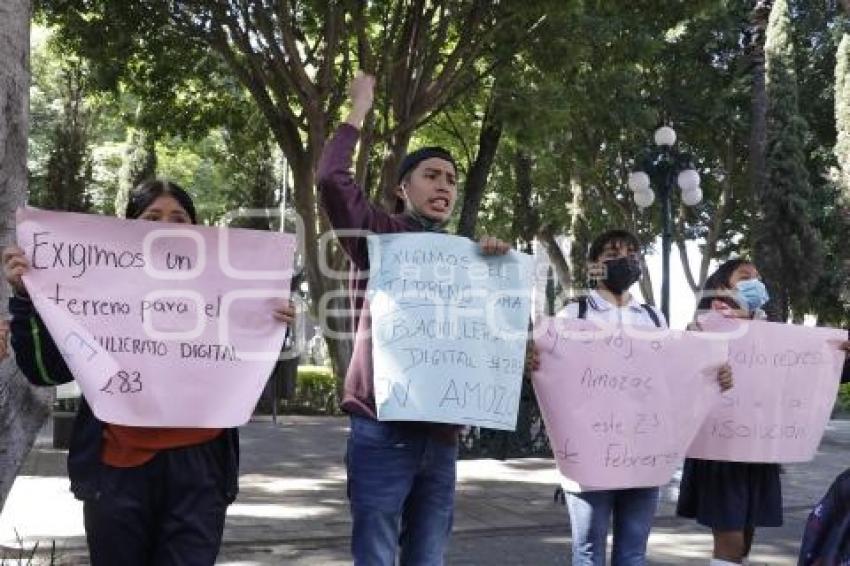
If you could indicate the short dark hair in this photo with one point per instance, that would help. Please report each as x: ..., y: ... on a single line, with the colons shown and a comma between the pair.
x: 148, y: 191
x: 613, y: 237
x: 414, y: 158
x: 720, y: 279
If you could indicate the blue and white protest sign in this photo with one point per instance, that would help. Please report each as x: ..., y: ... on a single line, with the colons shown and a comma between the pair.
x: 449, y: 329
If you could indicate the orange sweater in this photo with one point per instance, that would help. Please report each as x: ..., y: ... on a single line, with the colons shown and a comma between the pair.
x: 131, y: 446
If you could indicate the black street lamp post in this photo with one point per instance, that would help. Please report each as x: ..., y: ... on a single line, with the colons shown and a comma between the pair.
x: 659, y: 168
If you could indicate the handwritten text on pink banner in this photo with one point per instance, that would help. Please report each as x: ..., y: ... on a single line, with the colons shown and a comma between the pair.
x: 622, y: 404
x: 786, y: 380
x: 161, y: 324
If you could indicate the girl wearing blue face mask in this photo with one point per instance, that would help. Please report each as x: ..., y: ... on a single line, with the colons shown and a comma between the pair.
x: 732, y: 498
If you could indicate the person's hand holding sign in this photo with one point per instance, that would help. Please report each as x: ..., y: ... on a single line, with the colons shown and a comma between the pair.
x: 285, y: 313
x: 15, y: 264
x: 490, y: 245
x: 724, y: 377
x: 4, y: 339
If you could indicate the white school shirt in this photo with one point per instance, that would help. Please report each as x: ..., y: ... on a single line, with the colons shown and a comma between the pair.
x: 599, y: 309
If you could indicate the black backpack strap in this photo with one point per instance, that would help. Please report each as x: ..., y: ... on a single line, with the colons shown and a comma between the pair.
x: 652, y: 314
x: 582, y: 307
x: 560, y: 496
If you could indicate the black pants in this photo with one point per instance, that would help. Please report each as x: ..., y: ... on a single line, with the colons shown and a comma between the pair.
x: 167, y: 512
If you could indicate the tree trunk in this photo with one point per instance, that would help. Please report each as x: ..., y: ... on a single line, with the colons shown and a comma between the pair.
x: 389, y: 170
x: 556, y: 257
x: 524, y: 225
x: 476, y: 181
x: 709, y: 250
x: 777, y: 309
x: 645, y: 284
x: 579, y: 237
x: 758, y: 129
x: 22, y: 408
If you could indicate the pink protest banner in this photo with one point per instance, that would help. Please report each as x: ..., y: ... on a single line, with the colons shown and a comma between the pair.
x: 161, y: 324
x: 621, y: 404
x: 786, y: 380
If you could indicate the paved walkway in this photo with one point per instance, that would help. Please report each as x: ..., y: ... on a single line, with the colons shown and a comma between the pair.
x: 292, y: 507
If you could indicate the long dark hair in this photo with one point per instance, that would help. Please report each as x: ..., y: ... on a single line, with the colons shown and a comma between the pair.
x: 148, y: 191
x: 720, y: 279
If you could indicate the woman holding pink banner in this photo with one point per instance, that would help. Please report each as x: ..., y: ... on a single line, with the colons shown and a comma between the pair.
x: 732, y: 498
x: 151, y: 496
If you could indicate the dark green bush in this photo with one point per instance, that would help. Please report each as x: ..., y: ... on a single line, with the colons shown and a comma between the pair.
x: 842, y: 403
x: 315, y: 392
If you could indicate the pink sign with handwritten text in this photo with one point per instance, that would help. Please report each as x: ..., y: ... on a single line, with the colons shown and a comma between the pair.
x: 786, y: 380
x: 161, y: 324
x: 621, y: 404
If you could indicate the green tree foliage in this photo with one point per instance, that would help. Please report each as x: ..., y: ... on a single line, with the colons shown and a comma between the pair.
x: 63, y: 121
x: 573, y: 88
x: 295, y: 60
x: 842, y: 114
x: 828, y: 156
x: 787, y: 244
x: 583, y: 114
x: 138, y: 162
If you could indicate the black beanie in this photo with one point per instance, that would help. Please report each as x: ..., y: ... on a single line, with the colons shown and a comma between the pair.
x: 414, y: 158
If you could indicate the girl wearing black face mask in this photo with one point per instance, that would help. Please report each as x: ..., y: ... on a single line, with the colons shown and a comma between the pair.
x: 620, y: 274
x: 615, y: 266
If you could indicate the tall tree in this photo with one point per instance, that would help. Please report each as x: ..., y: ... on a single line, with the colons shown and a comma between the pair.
x: 22, y: 408
x: 823, y: 62
x: 138, y: 161
x: 61, y: 120
x: 252, y: 181
x: 296, y: 59
x: 705, y: 87
x: 474, y: 188
x: 787, y: 244
x: 69, y: 165
x: 842, y: 115
x: 758, y: 133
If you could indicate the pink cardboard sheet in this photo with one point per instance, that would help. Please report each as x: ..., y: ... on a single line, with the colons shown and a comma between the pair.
x: 161, y: 324
x: 622, y: 404
x: 786, y: 379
